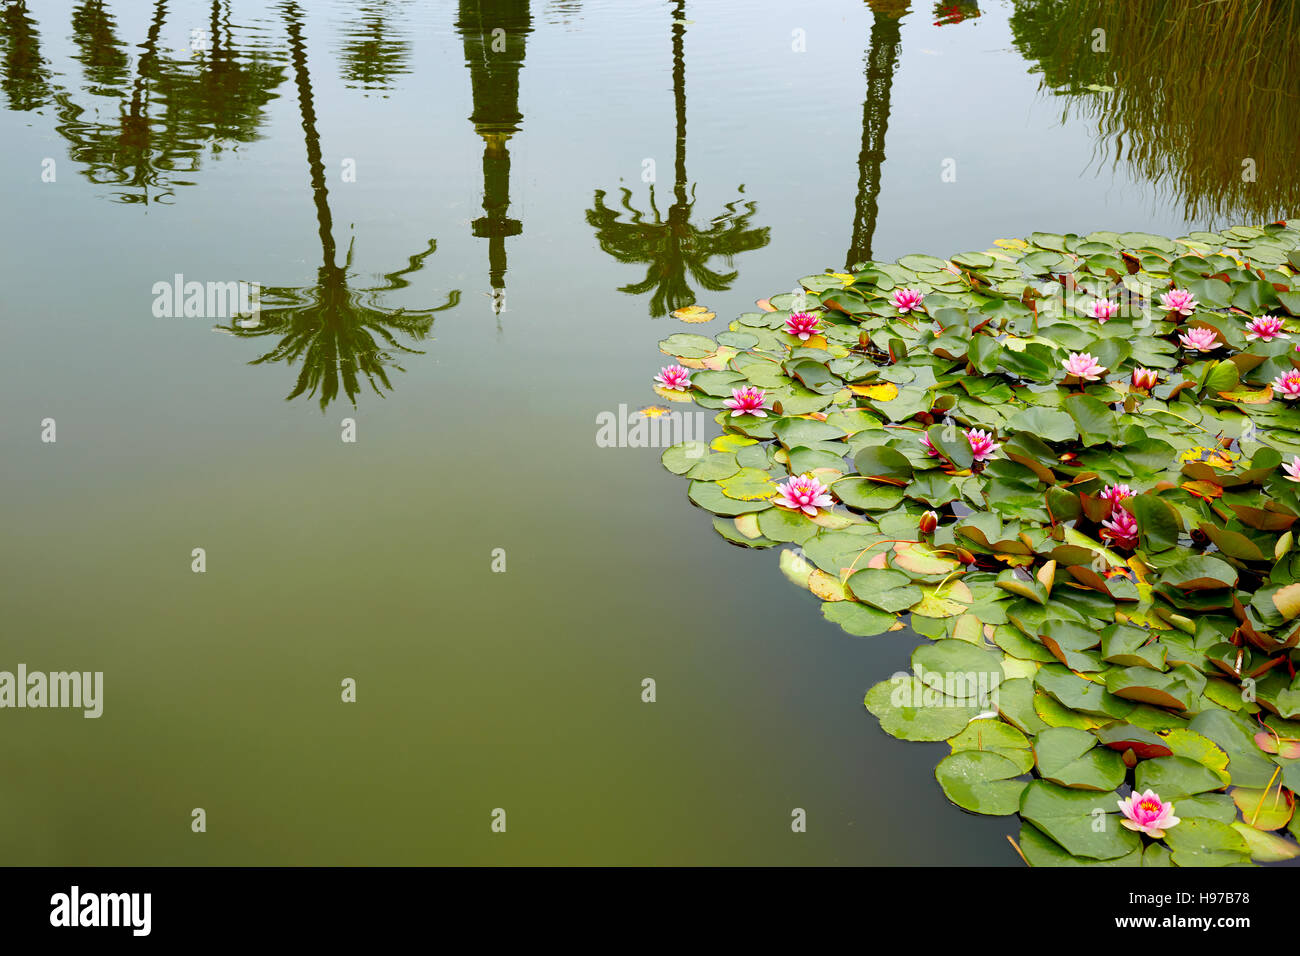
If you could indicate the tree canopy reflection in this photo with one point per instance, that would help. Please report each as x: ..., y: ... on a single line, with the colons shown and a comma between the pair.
x: 339, y: 335
x: 675, y: 251
x: 1202, y: 99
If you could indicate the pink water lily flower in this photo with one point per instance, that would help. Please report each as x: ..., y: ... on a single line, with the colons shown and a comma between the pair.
x: 747, y: 400
x: 982, y: 445
x: 1201, y: 340
x: 1266, y: 328
x: 1083, y: 366
x: 1287, y: 385
x: 1292, y: 470
x: 1121, y: 529
x: 803, y: 493
x: 674, y: 377
x: 1180, y: 301
x: 930, y: 450
x: 1147, y: 813
x: 1116, y: 493
x: 803, y: 325
x: 1145, y: 378
x: 905, y: 300
x: 1103, y: 309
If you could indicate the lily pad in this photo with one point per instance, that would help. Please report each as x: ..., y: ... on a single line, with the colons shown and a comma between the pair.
x: 981, y: 782
x: 1083, y: 823
x: 910, y: 710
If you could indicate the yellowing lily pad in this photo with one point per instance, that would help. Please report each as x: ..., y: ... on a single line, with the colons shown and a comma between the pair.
x: 694, y: 314
x: 923, y: 559
x: 884, y: 392
x: 944, y: 601
x: 1270, y: 809
x: 748, y: 484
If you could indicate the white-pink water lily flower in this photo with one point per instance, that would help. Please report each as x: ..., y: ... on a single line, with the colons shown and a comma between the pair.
x: 1180, y: 301
x: 1200, y: 339
x: 674, y: 378
x: 1287, y: 386
x: 1292, y: 470
x: 982, y: 445
x: 905, y: 300
x: 1266, y: 328
x: 930, y: 450
x: 803, y: 493
x: 803, y: 325
x: 1103, y: 309
x: 1145, y: 378
x: 1084, y: 366
x: 1116, y: 493
x: 1121, y: 530
x: 747, y: 400
x: 1147, y: 813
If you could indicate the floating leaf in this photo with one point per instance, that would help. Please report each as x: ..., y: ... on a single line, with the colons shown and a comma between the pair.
x: 748, y: 484
x: 887, y: 590
x: 1072, y: 758
x: 859, y: 619
x: 694, y: 314
x: 1067, y: 816
x: 1270, y: 809
x: 1201, y: 842
x: 981, y: 782
x: 908, y: 709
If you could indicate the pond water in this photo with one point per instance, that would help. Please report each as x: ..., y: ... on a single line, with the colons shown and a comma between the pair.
x: 465, y: 217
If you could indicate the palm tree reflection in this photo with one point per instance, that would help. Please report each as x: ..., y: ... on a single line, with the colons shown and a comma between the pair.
x: 675, y: 251
x: 372, y: 56
x: 169, y: 111
x: 102, y: 57
x: 882, y: 61
x: 339, y: 334
x: 25, y: 78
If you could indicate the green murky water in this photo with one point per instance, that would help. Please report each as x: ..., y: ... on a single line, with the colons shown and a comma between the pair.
x: 460, y: 249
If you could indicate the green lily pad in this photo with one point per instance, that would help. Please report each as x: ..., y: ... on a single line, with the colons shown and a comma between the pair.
x: 1206, y: 843
x: 1172, y: 777
x: 858, y: 619
x: 1083, y: 823
x: 1072, y: 758
x: 910, y: 710
x: 981, y: 782
x: 887, y: 590
x: 1041, y: 850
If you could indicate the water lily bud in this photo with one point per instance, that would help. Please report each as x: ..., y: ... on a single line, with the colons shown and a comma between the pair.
x: 929, y: 521
x: 864, y: 340
x: 1283, y: 545
x: 965, y: 557
x: 1145, y: 378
